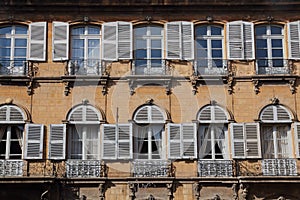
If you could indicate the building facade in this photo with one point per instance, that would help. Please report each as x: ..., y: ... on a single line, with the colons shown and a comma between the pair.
x: 149, y: 99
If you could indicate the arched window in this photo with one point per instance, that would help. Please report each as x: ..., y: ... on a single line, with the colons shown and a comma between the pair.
x: 275, y: 131
x: 148, y: 49
x: 13, y: 49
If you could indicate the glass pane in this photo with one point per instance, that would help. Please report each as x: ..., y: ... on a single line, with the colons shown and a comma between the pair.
x: 21, y: 42
x: 261, y: 43
x: 5, y: 42
x: 140, y: 44
x: 6, y: 30
x: 201, y: 30
x: 217, y: 53
x: 202, y: 53
x: 202, y: 63
x: 15, y: 148
x: 5, y: 53
x: 216, y: 30
x: 216, y: 44
x: 77, y: 43
x: 275, y: 30
x: 261, y: 30
x: 19, y: 62
x: 140, y: 31
x: 261, y: 53
x: 156, y: 53
x: 277, y: 53
x: 156, y: 63
x: 276, y: 43
x: 156, y: 44
x: 20, y: 52
x: 93, y: 30
x: 155, y: 30
x: 201, y: 43
x: 21, y: 30
x: 217, y: 63
x: 140, y: 63
x: 277, y: 62
x: 141, y: 54
x: 77, y: 31
x: 262, y: 63
x: 93, y: 43
x: 77, y: 53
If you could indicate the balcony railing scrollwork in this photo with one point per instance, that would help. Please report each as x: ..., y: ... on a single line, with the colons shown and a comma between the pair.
x: 11, y: 167
x: 150, y: 67
x: 279, y: 167
x: 211, y: 66
x: 152, y: 168
x: 14, y: 67
x: 215, y: 168
x: 85, y: 67
x: 273, y: 66
x: 85, y: 168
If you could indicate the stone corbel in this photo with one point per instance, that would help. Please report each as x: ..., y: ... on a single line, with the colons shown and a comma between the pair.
x: 194, y: 83
x: 256, y: 85
x: 197, y: 188
x: 133, y: 189
x: 67, y: 88
x: 30, y: 87
x: 292, y: 84
x: 230, y: 84
x: 170, y: 187
x: 102, y: 188
x: 235, y: 191
x: 243, y: 192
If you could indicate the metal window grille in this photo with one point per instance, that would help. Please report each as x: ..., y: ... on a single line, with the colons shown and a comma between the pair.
x: 215, y: 168
x: 279, y: 167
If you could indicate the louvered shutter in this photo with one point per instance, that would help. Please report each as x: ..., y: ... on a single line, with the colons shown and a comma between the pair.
x: 238, y: 140
x: 57, y: 141
x: 294, y: 40
x: 235, y: 40
x: 174, y: 139
x: 189, y: 135
x: 297, y: 138
x: 252, y: 139
x: 187, y: 41
x: 248, y: 31
x: 109, y: 41
x: 34, y: 141
x: 37, y: 47
x: 109, y: 146
x: 60, y: 41
x: 124, y: 40
x: 174, y: 38
x: 125, y: 141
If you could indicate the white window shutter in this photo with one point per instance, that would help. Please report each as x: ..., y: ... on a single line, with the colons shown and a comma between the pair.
x: 174, y: 38
x: 294, y: 40
x: 235, y: 40
x: 60, y: 41
x: 109, y: 139
x: 187, y: 40
x: 297, y: 138
x: 248, y: 30
x: 252, y: 140
x: 124, y: 40
x: 174, y: 139
x: 238, y: 140
x: 109, y: 41
x: 125, y: 141
x: 189, y: 135
x: 34, y: 141
x: 37, y: 47
x: 57, y: 142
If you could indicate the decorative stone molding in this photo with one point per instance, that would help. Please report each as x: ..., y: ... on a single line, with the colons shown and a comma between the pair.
x: 197, y: 188
x: 132, y: 190
x: 243, y: 192
x: 292, y: 84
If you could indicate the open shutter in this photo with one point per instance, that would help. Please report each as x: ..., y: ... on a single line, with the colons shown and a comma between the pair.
x: 189, y: 135
x: 235, y: 40
x: 252, y: 140
x: 237, y: 139
x: 109, y: 41
x: 37, y: 48
x: 294, y: 40
x: 174, y: 139
x: 297, y: 138
x: 34, y: 141
x: 109, y: 146
x: 173, y: 30
x: 57, y: 141
x: 248, y: 31
x: 187, y: 41
x: 124, y: 40
x: 125, y: 141
x: 60, y: 41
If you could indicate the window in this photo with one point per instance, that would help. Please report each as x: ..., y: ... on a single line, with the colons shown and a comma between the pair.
x: 269, y: 46
x: 13, y: 49
x: 148, y: 50
x: 209, y: 47
x: 11, y: 142
x: 85, y: 49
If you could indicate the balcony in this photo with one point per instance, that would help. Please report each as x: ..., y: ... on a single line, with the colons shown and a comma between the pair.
x: 90, y: 67
x: 150, y: 67
x: 215, y: 168
x: 11, y: 168
x: 85, y: 168
x: 279, y: 167
x: 211, y: 67
x: 14, y: 67
x: 151, y: 168
x: 273, y: 66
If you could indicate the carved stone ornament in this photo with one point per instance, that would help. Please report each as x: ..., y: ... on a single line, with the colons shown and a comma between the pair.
x: 242, y: 192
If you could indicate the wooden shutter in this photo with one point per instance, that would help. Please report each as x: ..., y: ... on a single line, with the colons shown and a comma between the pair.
x: 125, y: 141
x: 34, y: 141
x: 189, y: 135
x: 57, y: 141
x: 294, y: 40
x: 248, y: 36
x: 238, y: 140
x: 174, y: 146
x: 37, y: 47
x: 297, y: 139
x: 235, y: 40
x: 187, y: 41
x: 60, y: 41
x: 109, y: 41
x: 174, y: 45
x: 124, y: 40
x: 252, y: 140
x: 109, y: 146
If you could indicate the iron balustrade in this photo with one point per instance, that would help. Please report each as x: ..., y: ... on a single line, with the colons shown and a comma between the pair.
x: 215, y: 168
x: 14, y: 67
x: 151, y: 168
x: 84, y: 168
x: 85, y: 67
x: 11, y: 167
x: 273, y: 66
x: 211, y: 66
x: 150, y: 67
x: 279, y: 167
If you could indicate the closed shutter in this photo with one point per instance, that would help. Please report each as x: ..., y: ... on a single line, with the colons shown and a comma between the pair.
x: 34, y: 141
x: 173, y: 30
x: 109, y: 41
x: 252, y: 140
x: 57, y: 141
x: 124, y: 40
x: 235, y: 40
x: 125, y: 141
x: 174, y: 139
x: 37, y: 48
x: 297, y: 138
x: 109, y: 146
x: 189, y: 135
x: 249, y: 40
x: 187, y: 41
x: 60, y: 41
x: 294, y: 40
x: 237, y: 139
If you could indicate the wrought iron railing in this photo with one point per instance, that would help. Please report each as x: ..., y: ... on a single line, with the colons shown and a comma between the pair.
x: 215, y: 168
x: 84, y: 67
x: 85, y: 168
x: 150, y: 67
x: 11, y: 167
x: 211, y: 66
x: 279, y: 167
x: 14, y: 67
x: 273, y: 66
x: 151, y: 168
